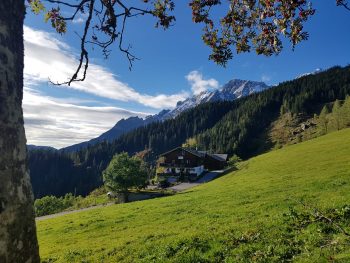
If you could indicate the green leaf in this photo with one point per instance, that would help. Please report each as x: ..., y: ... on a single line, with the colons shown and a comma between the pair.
x: 37, y: 6
x: 47, y: 17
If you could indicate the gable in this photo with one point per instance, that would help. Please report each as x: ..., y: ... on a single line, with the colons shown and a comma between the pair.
x: 181, y: 150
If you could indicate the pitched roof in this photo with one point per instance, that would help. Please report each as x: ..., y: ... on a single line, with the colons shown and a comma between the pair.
x: 201, y: 154
x: 219, y: 156
x: 194, y: 152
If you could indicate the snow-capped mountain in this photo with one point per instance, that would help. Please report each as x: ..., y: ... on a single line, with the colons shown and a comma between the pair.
x: 232, y: 90
x: 161, y: 116
x: 316, y: 71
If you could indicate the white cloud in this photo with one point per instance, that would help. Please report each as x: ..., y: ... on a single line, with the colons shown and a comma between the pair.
x: 198, y: 84
x: 48, y: 58
x: 54, y: 122
x: 78, y: 20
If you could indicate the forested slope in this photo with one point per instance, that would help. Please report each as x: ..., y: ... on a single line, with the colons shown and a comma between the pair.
x: 241, y: 130
x: 57, y: 172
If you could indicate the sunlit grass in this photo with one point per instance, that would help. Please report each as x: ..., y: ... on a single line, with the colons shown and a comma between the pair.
x: 237, y: 218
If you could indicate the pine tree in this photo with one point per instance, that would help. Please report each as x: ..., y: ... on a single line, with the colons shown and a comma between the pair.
x: 345, y: 110
x: 323, y: 120
x: 337, y: 115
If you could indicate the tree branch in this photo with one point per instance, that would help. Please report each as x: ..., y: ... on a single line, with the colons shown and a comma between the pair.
x: 62, y: 3
x: 105, y: 25
x: 345, y: 6
x: 78, y: 8
x: 84, y: 54
x: 317, y: 214
x: 130, y: 56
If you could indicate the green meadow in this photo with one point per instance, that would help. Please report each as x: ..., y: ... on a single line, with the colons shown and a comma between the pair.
x: 288, y: 205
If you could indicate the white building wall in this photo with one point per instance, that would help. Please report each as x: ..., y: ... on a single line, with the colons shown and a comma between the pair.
x: 194, y: 170
x: 197, y: 170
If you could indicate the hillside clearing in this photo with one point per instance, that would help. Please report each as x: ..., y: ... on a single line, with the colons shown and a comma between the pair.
x: 241, y: 217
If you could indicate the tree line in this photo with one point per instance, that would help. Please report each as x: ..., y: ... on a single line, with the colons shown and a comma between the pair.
x: 334, y: 118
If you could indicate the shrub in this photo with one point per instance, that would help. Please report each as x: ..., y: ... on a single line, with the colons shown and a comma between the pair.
x: 52, y: 204
x: 234, y: 160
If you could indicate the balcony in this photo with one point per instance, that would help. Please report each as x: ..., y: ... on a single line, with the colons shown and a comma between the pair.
x: 177, y: 165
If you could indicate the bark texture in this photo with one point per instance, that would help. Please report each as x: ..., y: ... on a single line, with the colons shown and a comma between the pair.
x: 18, y: 242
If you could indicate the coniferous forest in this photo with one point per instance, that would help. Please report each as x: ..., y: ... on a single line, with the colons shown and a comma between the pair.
x: 237, y: 127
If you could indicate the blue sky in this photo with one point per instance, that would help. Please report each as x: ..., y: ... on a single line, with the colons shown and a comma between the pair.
x: 60, y: 116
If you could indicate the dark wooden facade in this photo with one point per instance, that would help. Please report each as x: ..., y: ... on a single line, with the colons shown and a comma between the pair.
x: 181, y: 158
x: 185, y: 158
x: 211, y: 163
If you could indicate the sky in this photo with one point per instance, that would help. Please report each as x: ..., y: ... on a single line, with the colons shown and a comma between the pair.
x: 172, y: 66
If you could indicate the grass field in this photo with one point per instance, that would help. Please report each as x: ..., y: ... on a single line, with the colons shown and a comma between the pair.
x: 251, y: 215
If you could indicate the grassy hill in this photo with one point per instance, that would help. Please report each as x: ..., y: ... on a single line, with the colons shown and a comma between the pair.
x: 292, y: 204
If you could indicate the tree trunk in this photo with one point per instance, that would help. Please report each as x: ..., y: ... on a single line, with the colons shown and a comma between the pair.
x: 126, y: 197
x: 18, y: 242
x: 123, y: 197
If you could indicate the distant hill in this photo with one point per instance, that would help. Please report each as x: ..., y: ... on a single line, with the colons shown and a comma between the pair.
x: 32, y: 147
x: 289, y: 205
x: 121, y: 127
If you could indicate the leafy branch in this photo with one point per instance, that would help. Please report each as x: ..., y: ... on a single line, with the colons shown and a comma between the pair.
x: 247, y: 25
x: 101, y: 24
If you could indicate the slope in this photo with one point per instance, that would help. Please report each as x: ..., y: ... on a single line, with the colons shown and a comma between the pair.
x: 121, y: 127
x: 244, y: 216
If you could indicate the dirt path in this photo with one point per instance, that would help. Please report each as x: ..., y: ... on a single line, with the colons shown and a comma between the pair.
x: 178, y: 188
x: 70, y: 212
x: 206, y: 178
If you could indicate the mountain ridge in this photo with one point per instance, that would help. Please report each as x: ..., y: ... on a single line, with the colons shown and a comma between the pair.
x: 234, y: 89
